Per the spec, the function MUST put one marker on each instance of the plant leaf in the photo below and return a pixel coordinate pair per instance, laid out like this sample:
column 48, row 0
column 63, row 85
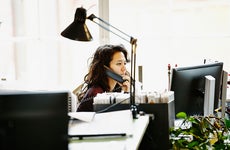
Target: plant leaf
column 227, row 123
column 181, row 115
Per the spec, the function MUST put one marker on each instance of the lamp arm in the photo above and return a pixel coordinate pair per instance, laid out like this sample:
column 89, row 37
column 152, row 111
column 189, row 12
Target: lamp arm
column 133, row 43
column 131, row 39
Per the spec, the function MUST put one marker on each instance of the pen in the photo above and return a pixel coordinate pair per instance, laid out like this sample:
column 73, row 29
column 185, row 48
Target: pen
column 81, row 136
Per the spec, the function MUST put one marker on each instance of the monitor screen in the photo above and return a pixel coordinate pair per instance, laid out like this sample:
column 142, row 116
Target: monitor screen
column 33, row 120
column 188, row 84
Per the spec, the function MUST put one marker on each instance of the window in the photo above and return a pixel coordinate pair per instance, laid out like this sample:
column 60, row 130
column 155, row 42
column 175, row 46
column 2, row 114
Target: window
column 182, row 32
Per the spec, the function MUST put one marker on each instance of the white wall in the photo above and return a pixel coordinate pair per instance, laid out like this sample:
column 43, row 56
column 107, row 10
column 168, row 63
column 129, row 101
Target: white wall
column 182, row 32
column 174, row 32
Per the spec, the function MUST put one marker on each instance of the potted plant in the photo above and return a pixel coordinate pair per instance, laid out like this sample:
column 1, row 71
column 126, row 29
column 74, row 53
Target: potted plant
column 200, row 133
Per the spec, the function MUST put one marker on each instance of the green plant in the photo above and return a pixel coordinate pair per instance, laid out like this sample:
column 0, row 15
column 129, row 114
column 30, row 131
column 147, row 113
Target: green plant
column 201, row 133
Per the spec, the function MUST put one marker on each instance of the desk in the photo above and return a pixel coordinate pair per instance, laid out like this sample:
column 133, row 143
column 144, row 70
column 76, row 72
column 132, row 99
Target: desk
column 110, row 122
column 162, row 117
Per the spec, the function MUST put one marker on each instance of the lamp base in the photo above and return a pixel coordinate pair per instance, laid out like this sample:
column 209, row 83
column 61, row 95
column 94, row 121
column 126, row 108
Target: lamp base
column 134, row 111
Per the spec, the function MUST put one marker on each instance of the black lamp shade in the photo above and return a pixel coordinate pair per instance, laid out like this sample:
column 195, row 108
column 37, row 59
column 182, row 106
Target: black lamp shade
column 78, row 30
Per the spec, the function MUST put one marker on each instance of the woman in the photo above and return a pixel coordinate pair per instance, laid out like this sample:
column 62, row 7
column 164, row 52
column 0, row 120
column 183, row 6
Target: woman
column 115, row 58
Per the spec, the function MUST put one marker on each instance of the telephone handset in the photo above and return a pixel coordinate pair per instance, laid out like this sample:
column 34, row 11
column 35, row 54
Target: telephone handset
column 114, row 75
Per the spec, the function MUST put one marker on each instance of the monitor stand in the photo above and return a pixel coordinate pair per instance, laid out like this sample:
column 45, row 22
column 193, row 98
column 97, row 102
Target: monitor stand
column 224, row 92
column 209, row 95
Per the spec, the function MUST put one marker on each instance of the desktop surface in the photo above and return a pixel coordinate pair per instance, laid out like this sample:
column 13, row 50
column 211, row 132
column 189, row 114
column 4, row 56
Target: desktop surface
column 162, row 116
column 116, row 122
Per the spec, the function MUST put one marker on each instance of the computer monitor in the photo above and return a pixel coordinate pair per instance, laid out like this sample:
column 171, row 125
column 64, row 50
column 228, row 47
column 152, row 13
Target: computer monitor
column 188, row 84
column 33, row 120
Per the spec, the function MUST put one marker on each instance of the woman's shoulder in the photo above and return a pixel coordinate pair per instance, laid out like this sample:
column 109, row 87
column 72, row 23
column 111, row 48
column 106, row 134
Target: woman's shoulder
column 86, row 103
column 94, row 90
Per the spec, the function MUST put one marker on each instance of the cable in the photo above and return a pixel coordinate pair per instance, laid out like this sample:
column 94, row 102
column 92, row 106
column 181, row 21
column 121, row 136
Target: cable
column 111, row 106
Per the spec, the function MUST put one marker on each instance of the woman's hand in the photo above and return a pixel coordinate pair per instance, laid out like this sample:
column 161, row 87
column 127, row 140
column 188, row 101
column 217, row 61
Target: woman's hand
column 126, row 85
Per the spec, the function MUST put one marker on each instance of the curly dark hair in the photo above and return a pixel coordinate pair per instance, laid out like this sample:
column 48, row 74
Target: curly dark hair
column 102, row 56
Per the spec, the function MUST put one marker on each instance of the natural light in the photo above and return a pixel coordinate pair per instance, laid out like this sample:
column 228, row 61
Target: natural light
column 33, row 55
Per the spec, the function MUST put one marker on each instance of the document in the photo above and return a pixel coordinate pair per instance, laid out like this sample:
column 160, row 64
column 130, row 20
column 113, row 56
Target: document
column 83, row 116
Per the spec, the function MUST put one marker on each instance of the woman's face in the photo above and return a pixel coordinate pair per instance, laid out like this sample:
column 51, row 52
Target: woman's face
column 118, row 63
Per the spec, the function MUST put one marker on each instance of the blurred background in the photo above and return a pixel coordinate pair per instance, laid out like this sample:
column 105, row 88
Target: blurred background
column 33, row 54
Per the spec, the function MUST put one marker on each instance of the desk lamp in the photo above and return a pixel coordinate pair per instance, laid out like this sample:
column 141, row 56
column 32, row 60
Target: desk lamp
column 78, row 31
